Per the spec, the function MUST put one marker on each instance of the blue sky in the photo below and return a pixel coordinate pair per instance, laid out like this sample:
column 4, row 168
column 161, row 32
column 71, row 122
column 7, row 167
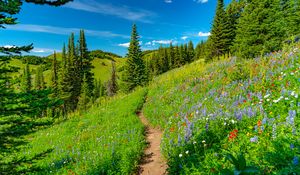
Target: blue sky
column 107, row 24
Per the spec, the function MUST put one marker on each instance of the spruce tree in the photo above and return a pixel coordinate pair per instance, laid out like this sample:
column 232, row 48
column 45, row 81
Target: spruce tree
column 171, row 57
column 259, row 29
column 112, row 86
column 84, row 98
column 86, row 62
column 191, row 51
column 26, row 84
column 217, row 38
column 54, row 76
column 134, row 73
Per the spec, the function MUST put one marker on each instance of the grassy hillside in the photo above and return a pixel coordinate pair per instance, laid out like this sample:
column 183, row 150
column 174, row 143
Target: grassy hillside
column 102, row 66
column 214, row 112
column 106, row 140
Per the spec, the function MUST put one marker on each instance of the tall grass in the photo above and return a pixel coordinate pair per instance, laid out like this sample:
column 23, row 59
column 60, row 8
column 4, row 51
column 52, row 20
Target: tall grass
column 227, row 107
column 106, row 140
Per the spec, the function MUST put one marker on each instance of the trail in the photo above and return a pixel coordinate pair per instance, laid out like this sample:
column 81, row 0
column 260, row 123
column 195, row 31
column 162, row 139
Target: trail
column 152, row 163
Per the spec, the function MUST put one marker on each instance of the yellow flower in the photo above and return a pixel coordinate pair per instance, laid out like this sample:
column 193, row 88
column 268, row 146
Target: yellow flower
column 248, row 134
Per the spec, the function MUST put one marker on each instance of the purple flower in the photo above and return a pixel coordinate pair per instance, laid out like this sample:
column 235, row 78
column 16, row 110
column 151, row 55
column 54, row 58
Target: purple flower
column 254, row 139
column 238, row 115
column 207, row 126
column 290, row 119
column 295, row 160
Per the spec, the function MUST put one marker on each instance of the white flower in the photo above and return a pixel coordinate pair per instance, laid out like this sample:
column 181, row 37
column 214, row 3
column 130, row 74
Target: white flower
column 296, row 95
column 286, row 98
column 187, row 152
column 207, row 118
column 180, row 155
column 292, row 73
column 232, row 121
column 203, row 141
column 268, row 99
column 281, row 73
column 194, row 142
column 266, row 96
column 293, row 93
column 225, row 123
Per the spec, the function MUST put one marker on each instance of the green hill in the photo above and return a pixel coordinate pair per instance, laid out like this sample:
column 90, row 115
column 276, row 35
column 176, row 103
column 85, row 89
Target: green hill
column 244, row 111
column 101, row 62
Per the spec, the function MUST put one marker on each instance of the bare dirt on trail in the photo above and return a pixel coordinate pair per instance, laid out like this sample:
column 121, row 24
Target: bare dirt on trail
column 152, row 162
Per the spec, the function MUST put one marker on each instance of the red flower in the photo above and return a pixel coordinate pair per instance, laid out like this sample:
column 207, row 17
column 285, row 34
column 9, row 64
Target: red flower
column 259, row 123
column 233, row 134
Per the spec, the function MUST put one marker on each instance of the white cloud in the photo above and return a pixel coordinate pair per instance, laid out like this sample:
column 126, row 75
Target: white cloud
column 162, row 41
column 61, row 30
column 148, row 43
column 119, row 11
column 42, row 50
column 9, row 46
column 168, row 1
column 201, row 1
column 184, row 37
column 124, row 45
column 204, row 34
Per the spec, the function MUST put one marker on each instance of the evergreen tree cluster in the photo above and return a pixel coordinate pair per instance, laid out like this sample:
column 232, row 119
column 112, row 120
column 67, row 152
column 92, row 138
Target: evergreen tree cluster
column 167, row 58
column 250, row 28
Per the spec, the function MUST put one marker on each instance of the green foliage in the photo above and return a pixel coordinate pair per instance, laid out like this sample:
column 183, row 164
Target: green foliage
column 26, row 84
column 112, row 86
column 84, row 98
column 95, row 142
column 39, row 79
column 135, row 69
column 240, row 166
column 205, row 112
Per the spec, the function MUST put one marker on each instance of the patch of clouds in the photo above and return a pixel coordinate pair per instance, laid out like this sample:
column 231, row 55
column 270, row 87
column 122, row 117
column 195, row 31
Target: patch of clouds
column 62, row 30
column 204, row 34
column 9, row 46
column 168, row 1
column 124, row 45
column 184, row 38
column 201, row 1
column 119, row 11
column 42, row 50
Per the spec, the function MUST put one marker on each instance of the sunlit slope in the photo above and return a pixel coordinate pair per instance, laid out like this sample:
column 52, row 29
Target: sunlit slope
column 105, row 140
column 208, row 111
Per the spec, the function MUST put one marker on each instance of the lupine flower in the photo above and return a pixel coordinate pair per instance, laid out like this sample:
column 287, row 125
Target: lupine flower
column 206, row 126
column 274, row 131
column 291, row 117
column 292, row 146
column 254, row 139
column 295, row 160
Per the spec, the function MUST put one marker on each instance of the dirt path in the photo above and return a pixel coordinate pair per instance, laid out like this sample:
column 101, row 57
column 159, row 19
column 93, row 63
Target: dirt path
column 152, row 163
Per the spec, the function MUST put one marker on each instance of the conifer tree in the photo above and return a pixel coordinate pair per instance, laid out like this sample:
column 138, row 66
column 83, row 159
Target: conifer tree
column 26, row 84
column 191, row 52
column 171, row 56
column 259, row 29
column 54, row 76
column 217, row 38
column 84, row 98
column 135, row 73
column 86, row 62
column 112, row 86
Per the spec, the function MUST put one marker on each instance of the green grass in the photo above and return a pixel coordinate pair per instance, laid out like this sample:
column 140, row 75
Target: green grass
column 106, row 140
column 208, row 111
column 102, row 68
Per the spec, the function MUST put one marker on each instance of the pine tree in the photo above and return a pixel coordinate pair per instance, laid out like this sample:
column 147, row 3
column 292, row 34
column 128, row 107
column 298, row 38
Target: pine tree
column 26, row 84
column 191, row 51
column 84, row 98
column 54, row 76
column 217, row 37
column 73, row 74
column 171, row 57
column 177, row 57
column 135, row 73
column 259, row 29
column 86, row 62
column 112, row 86
column 39, row 79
